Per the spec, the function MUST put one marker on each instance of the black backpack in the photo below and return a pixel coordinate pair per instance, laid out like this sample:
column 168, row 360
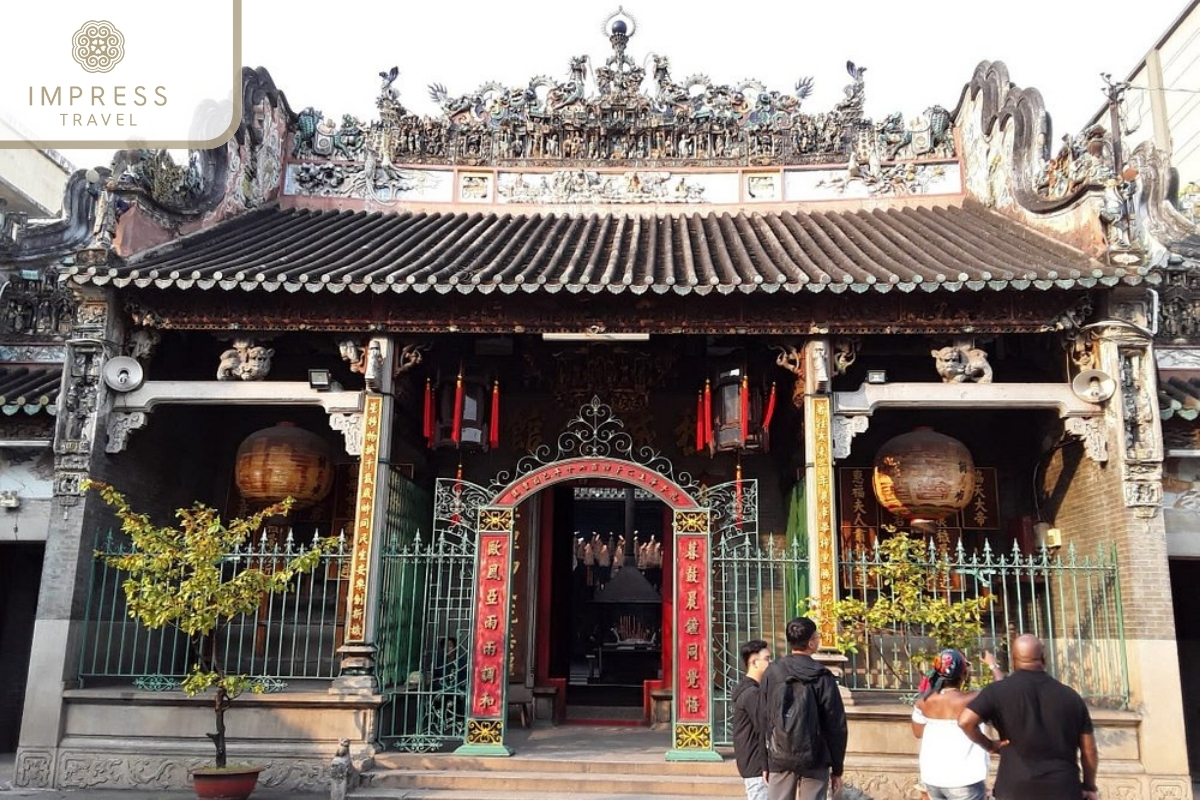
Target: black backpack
column 794, row 741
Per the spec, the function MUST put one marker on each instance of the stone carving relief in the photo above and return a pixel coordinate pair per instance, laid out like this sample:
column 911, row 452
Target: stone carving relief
column 962, row 363
column 623, row 110
column 818, row 352
column 1137, row 406
column 876, row 178
column 373, row 179
column 373, row 373
column 1083, row 160
column 845, row 428
column 37, row 306
column 125, row 771
column 590, row 186
column 245, row 361
column 353, row 354
column 1169, row 788
column 141, row 343
column 76, row 423
column 350, row 425
column 34, row 769
column 120, row 425
column 1093, row 433
column 34, row 353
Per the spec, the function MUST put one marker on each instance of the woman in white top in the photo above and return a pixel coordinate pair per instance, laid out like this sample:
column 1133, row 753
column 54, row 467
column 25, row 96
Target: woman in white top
column 952, row 766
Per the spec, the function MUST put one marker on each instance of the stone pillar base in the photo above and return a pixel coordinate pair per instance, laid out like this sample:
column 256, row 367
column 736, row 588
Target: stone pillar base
column 357, row 670
column 834, row 662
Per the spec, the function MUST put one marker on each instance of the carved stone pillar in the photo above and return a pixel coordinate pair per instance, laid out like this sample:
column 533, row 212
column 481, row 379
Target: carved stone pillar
column 1126, row 355
column 358, row 651
column 68, row 555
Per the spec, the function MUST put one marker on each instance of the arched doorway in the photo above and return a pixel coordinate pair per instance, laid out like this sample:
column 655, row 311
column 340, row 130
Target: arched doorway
column 449, row 596
column 595, row 446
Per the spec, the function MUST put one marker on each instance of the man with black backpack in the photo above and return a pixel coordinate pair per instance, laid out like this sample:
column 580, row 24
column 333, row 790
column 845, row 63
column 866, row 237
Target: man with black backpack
column 803, row 721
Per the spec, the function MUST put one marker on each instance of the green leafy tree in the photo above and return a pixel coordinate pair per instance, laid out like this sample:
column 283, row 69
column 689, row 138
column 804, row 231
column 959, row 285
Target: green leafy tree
column 178, row 576
column 908, row 607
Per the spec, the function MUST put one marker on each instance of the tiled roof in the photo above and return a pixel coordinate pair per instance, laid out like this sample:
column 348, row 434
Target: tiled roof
column 29, row 387
column 1179, row 394
column 934, row 248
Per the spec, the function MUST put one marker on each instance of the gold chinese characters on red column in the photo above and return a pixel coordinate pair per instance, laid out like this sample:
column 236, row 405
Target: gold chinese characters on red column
column 691, row 578
column 491, row 615
column 364, row 515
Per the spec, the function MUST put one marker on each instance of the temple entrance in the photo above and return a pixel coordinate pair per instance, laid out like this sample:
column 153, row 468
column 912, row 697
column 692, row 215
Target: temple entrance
column 605, row 547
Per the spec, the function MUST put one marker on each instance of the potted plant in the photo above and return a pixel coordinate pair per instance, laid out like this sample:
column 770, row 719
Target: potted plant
column 178, row 576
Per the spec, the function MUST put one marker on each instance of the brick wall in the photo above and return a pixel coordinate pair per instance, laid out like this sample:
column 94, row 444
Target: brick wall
column 1086, row 501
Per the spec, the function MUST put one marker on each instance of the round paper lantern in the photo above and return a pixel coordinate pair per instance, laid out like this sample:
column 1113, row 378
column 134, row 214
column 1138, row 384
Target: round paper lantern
column 284, row 461
column 923, row 475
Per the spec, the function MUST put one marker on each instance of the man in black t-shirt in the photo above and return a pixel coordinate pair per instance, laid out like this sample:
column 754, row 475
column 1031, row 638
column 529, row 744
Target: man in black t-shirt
column 1043, row 725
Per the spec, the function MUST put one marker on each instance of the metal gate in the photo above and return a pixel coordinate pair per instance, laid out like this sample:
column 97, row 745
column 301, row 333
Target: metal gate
column 756, row 585
column 426, row 619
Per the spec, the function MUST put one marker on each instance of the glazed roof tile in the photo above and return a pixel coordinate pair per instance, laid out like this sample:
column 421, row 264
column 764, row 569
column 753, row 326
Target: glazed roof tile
column 947, row 247
column 29, row 387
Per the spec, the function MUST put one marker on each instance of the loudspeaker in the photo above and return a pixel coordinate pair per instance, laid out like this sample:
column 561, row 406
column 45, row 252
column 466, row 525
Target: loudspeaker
column 123, row 374
column 1093, row 386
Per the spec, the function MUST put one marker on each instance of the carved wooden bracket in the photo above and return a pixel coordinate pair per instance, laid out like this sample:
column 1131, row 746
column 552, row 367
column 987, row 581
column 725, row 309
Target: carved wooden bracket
column 1092, row 432
column 845, row 428
column 120, row 425
column 350, row 425
column 792, row 359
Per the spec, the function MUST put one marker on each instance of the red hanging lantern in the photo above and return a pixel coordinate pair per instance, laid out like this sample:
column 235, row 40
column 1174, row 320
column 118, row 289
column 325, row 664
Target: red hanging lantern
column 923, row 476
column 737, row 423
column 460, row 413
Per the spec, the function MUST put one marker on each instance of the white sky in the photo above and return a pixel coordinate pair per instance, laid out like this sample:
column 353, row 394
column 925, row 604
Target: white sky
column 917, row 52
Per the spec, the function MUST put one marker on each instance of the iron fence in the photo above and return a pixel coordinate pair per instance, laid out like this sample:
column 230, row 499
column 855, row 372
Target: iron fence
column 1070, row 601
column 426, row 616
column 293, row 635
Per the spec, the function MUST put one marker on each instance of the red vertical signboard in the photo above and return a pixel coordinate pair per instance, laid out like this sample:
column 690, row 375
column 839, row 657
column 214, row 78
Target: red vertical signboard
column 692, row 634
column 491, row 609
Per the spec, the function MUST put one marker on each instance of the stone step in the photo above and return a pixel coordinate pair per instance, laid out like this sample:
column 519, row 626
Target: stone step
column 534, row 784
column 576, row 764
column 557, row 794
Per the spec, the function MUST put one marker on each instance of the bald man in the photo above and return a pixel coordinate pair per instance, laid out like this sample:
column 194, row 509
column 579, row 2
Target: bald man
column 1045, row 731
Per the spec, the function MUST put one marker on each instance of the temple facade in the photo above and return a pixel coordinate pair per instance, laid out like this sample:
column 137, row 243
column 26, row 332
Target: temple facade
column 595, row 378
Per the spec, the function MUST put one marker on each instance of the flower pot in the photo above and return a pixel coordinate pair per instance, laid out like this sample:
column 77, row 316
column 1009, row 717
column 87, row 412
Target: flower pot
column 225, row 783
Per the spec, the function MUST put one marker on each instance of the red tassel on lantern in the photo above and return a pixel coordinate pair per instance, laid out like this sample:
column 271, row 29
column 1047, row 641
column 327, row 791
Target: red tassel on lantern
column 427, row 414
column 700, row 421
column 745, row 415
column 456, row 430
column 708, row 435
column 494, row 428
column 770, row 412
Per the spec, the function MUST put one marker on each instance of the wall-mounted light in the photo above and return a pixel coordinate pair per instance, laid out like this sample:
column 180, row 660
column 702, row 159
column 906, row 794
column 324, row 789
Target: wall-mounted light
column 877, row 376
column 320, row 379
